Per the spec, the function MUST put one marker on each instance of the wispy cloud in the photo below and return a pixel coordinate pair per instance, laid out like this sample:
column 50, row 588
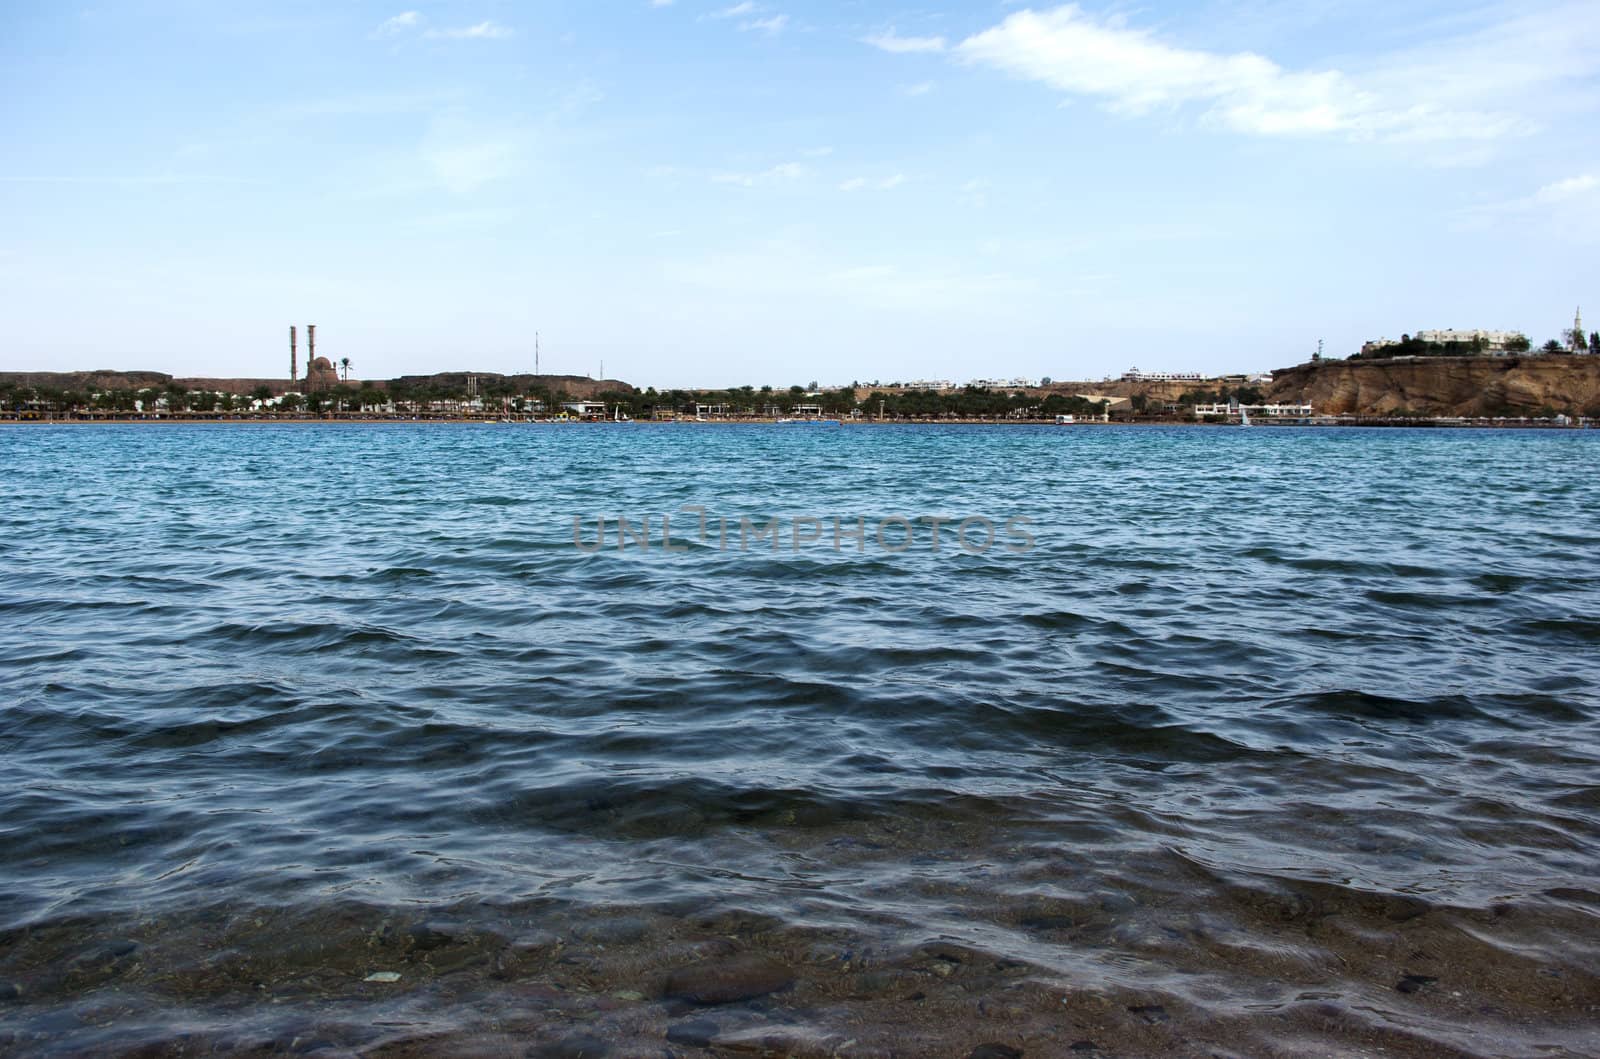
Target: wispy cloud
column 747, row 11
column 401, row 23
column 921, row 88
column 411, row 21
column 783, row 173
column 1568, row 209
column 1570, row 188
column 888, row 183
column 1460, row 89
column 1557, row 193
column 461, row 155
column 770, row 26
column 891, row 42
column 485, row 30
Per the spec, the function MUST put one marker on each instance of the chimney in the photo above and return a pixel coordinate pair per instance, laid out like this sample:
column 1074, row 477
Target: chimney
column 311, row 348
column 294, row 362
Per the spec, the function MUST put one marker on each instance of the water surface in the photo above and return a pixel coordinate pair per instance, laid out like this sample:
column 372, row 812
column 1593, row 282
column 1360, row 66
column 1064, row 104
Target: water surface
column 1274, row 742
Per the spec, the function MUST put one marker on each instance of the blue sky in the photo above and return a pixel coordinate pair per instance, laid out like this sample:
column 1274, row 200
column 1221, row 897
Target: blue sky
column 703, row 193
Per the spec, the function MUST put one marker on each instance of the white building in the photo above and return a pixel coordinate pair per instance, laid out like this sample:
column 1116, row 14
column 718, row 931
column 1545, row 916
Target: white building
column 1264, row 411
column 1494, row 341
column 1135, row 375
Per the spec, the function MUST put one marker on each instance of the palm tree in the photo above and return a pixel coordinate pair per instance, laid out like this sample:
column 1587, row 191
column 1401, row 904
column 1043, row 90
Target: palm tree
column 344, row 363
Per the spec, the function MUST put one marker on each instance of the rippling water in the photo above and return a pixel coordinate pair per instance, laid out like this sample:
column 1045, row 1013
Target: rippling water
column 1275, row 742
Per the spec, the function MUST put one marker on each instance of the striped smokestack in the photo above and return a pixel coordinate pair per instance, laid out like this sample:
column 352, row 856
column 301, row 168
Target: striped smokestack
column 311, row 348
column 294, row 362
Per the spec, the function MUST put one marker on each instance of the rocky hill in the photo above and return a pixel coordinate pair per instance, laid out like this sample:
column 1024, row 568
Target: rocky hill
column 101, row 379
column 1527, row 385
column 579, row 386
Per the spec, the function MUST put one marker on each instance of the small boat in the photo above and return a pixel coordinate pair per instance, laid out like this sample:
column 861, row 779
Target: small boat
column 1244, row 416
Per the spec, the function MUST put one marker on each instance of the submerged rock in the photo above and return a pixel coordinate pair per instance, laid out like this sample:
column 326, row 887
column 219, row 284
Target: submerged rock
column 583, row 1046
column 723, row 980
column 696, row 1033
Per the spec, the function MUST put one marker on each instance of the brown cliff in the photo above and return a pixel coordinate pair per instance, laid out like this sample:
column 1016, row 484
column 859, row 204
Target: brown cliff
column 1524, row 385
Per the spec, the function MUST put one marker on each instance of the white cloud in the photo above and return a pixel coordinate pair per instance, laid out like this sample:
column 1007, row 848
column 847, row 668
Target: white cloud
column 783, row 173
column 863, row 184
column 660, row 3
column 921, row 88
column 1135, row 73
column 1568, row 210
column 737, row 10
column 461, row 155
column 817, row 152
column 393, row 27
column 1570, row 188
column 891, row 42
column 770, row 26
column 485, row 30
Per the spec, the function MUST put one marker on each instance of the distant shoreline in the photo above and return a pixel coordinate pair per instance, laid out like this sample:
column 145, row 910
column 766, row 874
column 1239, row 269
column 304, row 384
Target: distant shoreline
column 1318, row 421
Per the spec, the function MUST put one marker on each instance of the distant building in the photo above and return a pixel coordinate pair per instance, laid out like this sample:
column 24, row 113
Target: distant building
column 1135, row 375
column 1493, row 341
column 1264, row 411
column 1496, row 342
column 1577, row 341
column 321, row 375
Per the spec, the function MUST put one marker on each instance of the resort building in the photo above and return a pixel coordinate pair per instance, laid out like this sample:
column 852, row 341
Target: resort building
column 1494, row 341
column 1135, row 375
column 1264, row 411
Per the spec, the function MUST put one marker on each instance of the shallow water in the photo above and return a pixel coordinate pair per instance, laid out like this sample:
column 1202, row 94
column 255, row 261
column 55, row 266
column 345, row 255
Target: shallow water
column 1274, row 742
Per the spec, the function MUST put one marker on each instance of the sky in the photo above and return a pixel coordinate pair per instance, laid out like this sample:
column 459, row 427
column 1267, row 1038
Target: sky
column 699, row 193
